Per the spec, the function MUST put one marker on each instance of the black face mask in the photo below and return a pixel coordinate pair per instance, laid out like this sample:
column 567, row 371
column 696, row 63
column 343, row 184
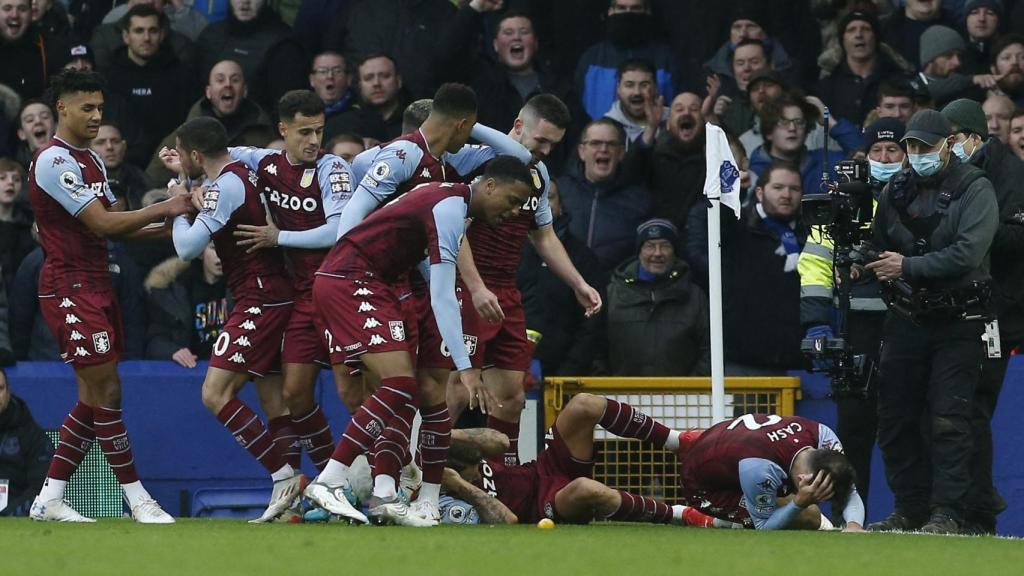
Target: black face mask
column 629, row 29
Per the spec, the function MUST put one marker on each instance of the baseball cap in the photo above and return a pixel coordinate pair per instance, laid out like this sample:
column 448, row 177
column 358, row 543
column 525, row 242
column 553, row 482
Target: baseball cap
column 928, row 126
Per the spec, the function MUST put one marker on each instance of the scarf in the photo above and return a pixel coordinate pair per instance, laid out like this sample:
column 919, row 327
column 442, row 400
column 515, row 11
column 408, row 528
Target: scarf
column 789, row 246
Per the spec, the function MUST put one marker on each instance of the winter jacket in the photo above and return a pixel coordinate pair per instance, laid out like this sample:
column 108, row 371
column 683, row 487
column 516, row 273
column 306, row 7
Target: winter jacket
column 171, row 309
column 459, row 57
column 570, row 341
column 904, row 34
column 365, row 121
column 596, row 73
column 164, row 85
column 810, row 166
column 29, row 61
column 633, row 128
column 721, row 64
column 248, row 117
column 30, row 336
column 657, row 328
column 15, row 243
column 1006, row 172
column 406, row 30
column 761, row 301
column 6, row 349
column 604, row 214
column 25, row 453
column 675, row 177
column 851, row 97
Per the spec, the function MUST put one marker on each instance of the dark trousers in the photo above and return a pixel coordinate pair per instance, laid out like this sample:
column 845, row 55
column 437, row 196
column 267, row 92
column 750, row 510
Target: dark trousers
column 926, row 388
column 857, row 422
column 983, row 500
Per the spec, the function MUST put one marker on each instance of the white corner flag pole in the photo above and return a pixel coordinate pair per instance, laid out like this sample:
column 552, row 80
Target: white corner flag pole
column 715, row 294
column 721, row 185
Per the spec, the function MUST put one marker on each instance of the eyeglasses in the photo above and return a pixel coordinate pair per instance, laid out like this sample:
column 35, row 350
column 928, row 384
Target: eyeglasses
column 334, row 71
column 598, row 144
column 793, row 123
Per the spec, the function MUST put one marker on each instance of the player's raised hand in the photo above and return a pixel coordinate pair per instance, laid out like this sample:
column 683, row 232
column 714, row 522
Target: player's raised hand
column 479, row 395
column 812, row 489
column 590, row 299
column 257, row 237
column 486, row 304
column 170, row 159
column 197, row 197
column 714, row 84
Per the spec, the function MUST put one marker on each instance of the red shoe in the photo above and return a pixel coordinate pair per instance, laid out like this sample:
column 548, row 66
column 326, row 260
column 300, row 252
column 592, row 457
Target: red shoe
column 696, row 518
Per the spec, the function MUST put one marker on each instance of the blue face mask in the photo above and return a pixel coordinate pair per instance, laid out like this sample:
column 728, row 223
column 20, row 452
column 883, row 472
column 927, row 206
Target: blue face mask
column 928, row 163
column 882, row 171
column 962, row 154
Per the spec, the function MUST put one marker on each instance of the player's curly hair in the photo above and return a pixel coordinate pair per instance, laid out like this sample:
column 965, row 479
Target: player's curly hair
column 295, row 102
column 838, row 466
column 70, row 81
column 509, row 169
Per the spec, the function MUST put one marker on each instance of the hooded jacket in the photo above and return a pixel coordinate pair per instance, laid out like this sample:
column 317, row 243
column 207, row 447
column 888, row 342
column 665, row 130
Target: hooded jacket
column 164, row 84
column 29, row 61
column 604, row 214
column 657, row 328
column 25, row 454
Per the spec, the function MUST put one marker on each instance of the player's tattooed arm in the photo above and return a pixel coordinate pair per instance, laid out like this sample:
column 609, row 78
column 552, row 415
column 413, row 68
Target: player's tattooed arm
column 490, row 509
column 488, row 442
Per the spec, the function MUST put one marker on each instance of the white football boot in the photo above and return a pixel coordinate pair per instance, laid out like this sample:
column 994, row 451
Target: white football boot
column 396, row 511
column 56, row 510
column 285, row 492
column 148, row 511
column 334, row 500
column 427, row 509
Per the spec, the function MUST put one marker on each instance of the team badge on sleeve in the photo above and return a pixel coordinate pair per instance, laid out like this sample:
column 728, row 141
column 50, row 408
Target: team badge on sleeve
column 380, row 171
column 72, row 183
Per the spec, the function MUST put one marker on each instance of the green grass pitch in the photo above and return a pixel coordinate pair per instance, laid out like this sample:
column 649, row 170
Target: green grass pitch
column 228, row 547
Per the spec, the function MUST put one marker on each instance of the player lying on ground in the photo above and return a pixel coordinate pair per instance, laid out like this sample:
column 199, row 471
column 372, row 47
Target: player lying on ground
column 559, row 484
column 770, row 472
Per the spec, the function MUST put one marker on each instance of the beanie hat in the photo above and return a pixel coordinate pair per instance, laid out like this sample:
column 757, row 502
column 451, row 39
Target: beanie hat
column 993, row 5
column 968, row 115
column 937, row 41
column 656, row 229
column 753, row 10
column 883, row 129
column 871, row 19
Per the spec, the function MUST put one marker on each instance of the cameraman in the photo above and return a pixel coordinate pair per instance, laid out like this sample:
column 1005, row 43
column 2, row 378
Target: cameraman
column 1006, row 171
column 856, row 405
column 935, row 224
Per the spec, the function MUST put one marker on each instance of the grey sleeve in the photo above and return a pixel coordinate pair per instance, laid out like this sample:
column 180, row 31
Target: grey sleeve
column 949, row 88
column 977, row 219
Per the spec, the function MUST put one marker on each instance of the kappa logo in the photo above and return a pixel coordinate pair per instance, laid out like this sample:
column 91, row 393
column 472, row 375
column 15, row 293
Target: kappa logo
column 377, row 340
column 400, row 154
column 79, row 351
column 363, row 292
column 256, row 310
column 237, row 358
column 425, row 173
column 67, row 303
column 101, row 342
column 371, row 323
column 366, row 307
column 243, row 341
column 247, row 325
column 71, row 319
column 397, row 330
column 271, row 169
column 58, row 161
column 76, row 335
column 335, row 166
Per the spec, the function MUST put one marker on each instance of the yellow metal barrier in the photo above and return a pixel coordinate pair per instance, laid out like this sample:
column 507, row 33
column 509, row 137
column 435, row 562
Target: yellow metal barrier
column 679, row 403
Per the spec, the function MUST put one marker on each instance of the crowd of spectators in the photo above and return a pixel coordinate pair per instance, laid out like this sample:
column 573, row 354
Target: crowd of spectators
column 641, row 78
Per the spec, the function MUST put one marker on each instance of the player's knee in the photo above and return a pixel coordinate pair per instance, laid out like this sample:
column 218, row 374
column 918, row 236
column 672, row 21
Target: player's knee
column 215, row 397
column 585, row 489
column 586, row 406
column 298, row 400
